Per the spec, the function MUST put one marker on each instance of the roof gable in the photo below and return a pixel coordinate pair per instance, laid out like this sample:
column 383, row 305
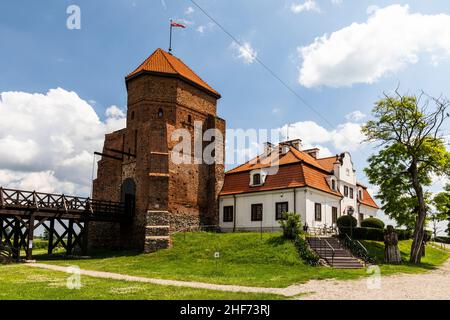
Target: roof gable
column 161, row 61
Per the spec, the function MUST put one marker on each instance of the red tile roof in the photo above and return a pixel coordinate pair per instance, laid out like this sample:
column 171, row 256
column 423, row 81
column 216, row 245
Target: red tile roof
column 296, row 169
column 367, row 199
column 328, row 163
column 276, row 157
column 163, row 62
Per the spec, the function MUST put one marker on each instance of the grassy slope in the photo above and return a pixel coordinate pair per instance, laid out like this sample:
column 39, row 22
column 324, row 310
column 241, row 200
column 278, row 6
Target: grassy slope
column 245, row 259
column 20, row 282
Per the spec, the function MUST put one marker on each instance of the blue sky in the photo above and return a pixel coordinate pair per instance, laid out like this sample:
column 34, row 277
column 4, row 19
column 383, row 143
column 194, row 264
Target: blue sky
column 39, row 53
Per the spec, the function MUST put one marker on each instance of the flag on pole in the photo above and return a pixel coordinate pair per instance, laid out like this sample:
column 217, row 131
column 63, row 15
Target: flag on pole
column 177, row 25
column 174, row 24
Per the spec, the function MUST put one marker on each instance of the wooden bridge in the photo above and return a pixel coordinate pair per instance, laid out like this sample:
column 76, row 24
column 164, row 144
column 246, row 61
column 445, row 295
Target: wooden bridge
column 22, row 212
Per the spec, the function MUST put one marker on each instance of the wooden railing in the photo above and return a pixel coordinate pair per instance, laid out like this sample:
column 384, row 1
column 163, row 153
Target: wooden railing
column 11, row 199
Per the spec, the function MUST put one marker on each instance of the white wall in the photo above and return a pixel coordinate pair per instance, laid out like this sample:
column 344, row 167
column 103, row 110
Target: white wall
column 305, row 200
column 327, row 200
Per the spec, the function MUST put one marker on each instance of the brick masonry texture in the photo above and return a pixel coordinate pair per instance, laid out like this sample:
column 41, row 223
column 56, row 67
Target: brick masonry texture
column 183, row 195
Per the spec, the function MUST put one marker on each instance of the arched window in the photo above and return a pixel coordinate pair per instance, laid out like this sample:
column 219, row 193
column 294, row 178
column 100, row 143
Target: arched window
column 189, row 119
column 160, row 113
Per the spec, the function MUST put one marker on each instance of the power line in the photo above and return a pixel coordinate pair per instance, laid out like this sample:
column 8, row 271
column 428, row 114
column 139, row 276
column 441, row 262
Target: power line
column 267, row 68
column 271, row 72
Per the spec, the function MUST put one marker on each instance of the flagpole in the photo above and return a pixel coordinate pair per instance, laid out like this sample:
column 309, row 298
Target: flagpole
column 170, row 43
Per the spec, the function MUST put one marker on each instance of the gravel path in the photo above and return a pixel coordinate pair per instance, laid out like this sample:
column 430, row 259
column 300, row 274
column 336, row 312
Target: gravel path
column 431, row 285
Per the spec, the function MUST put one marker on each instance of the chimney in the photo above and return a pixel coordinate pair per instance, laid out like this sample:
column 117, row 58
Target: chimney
column 313, row 152
column 296, row 143
column 268, row 148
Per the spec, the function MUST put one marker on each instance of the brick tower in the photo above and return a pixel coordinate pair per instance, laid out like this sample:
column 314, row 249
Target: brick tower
column 163, row 95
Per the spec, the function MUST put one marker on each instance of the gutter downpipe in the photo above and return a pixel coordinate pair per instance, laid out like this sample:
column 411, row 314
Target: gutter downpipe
column 234, row 213
column 295, row 202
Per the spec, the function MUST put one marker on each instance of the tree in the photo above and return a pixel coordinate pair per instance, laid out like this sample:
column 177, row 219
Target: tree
column 412, row 150
column 441, row 202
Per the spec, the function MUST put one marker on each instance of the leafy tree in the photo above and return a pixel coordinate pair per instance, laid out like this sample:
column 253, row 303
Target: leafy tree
column 442, row 204
column 412, row 150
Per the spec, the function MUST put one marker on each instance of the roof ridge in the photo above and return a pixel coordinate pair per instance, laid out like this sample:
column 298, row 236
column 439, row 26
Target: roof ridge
column 168, row 61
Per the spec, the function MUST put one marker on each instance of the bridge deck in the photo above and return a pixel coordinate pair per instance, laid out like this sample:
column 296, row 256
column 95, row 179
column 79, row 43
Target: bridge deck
column 22, row 203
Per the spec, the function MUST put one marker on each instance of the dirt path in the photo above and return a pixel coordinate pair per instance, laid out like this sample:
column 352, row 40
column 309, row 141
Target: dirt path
column 431, row 285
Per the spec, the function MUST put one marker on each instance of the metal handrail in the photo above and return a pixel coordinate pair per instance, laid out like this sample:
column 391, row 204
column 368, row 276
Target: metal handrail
column 357, row 248
column 324, row 244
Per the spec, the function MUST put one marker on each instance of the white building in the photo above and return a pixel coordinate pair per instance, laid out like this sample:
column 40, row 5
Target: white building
column 288, row 179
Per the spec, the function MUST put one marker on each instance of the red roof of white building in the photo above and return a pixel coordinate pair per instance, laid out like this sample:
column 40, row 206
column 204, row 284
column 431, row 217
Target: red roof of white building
column 295, row 169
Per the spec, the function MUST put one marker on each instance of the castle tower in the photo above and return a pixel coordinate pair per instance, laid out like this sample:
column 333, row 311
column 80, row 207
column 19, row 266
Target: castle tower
column 163, row 95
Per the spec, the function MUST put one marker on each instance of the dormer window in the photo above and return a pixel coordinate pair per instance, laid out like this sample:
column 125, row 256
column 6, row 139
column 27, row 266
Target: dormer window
column 256, row 179
column 360, row 194
column 333, row 184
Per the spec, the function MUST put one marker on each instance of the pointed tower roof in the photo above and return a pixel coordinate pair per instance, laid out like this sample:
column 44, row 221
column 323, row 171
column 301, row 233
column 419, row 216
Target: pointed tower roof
column 162, row 62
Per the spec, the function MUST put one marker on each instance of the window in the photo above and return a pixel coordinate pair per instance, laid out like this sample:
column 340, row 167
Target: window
column 333, row 184
column 346, row 191
column 334, row 215
column 257, row 212
column 189, row 119
column 351, row 193
column 280, row 208
column 228, row 214
column 160, row 113
column 359, row 194
column 318, row 212
column 132, row 115
column 256, row 179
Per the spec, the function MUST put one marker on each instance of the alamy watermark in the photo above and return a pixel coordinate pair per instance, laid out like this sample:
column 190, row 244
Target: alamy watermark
column 73, row 21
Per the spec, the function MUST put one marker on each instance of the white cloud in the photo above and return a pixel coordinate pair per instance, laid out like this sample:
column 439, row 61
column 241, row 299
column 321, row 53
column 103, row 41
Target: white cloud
column 245, row 52
column 355, row 116
column 308, row 5
column 47, row 140
column 346, row 137
column 201, row 29
column 189, row 10
column 390, row 40
column 337, row 2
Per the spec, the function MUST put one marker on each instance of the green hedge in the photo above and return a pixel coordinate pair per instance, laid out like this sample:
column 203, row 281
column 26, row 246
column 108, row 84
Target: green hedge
column 346, row 221
column 404, row 234
column 364, row 233
column 372, row 223
column 443, row 239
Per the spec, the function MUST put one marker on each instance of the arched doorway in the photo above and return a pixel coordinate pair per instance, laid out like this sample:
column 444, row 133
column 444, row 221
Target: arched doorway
column 128, row 195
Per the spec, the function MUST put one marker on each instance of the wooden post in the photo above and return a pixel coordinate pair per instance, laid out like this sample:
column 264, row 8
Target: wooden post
column 50, row 236
column 84, row 246
column 16, row 230
column 1, row 230
column 30, row 237
column 69, row 238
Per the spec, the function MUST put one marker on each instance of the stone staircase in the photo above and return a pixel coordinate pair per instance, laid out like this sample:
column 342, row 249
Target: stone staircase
column 342, row 259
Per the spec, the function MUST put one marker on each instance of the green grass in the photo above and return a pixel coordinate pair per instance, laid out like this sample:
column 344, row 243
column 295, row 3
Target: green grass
column 245, row 259
column 18, row 282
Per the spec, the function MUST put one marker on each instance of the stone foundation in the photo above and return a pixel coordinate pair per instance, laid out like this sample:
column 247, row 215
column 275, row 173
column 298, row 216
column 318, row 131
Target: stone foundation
column 157, row 231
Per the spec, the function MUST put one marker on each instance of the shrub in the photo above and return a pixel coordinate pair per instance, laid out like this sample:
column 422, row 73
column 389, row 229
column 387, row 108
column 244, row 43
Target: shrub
column 372, row 223
column 364, row 233
column 443, row 239
column 404, row 234
column 308, row 256
column 346, row 221
column 291, row 225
